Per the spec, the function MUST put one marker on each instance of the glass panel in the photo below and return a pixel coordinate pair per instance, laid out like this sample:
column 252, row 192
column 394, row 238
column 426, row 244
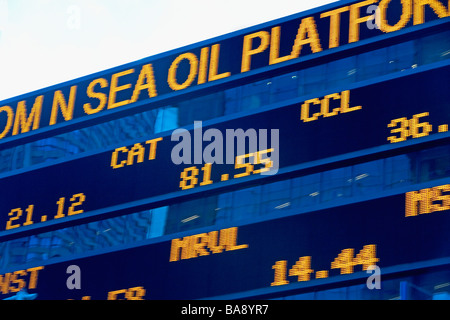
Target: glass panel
column 233, row 100
column 435, row 47
column 402, row 56
column 284, row 87
column 201, row 109
column 306, row 191
column 341, row 72
column 225, row 207
column 85, row 237
column 15, row 252
column 368, row 178
column 39, row 247
column 191, row 214
column 111, row 232
column 312, row 80
column 137, row 226
column 63, row 242
column 336, row 184
column 158, row 222
column 246, row 203
column 255, row 95
column 275, row 196
column 372, row 64
column 399, row 171
column 433, row 164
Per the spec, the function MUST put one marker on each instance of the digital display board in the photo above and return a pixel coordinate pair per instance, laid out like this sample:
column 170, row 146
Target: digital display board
column 281, row 42
column 329, row 243
column 384, row 113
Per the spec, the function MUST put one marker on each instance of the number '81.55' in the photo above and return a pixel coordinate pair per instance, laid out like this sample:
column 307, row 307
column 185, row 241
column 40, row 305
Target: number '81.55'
column 189, row 177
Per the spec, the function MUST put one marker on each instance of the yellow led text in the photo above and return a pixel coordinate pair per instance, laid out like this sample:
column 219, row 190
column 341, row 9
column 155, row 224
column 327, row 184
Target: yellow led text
column 406, row 128
column 312, row 109
column 427, row 200
column 64, row 102
column 307, row 35
column 345, row 261
column 204, row 244
column 205, row 66
column 145, row 82
column 17, row 280
column 197, row 67
column 129, row 156
column 136, row 293
column 414, row 9
column 59, row 102
column 17, row 218
column 22, row 120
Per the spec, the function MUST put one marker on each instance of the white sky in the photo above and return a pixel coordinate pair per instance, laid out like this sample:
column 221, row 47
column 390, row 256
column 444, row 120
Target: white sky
column 45, row 42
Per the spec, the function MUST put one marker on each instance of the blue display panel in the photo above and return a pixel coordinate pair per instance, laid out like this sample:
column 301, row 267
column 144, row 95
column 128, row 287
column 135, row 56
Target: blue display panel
column 327, row 244
column 284, row 41
column 385, row 113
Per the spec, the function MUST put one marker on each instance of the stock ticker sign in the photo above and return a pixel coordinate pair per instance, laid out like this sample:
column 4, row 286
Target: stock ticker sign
column 332, row 243
column 221, row 59
column 361, row 119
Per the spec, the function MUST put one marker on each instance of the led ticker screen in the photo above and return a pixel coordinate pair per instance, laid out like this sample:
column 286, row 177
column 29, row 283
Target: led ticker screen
column 385, row 113
column 282, row 41
column 330, row 243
